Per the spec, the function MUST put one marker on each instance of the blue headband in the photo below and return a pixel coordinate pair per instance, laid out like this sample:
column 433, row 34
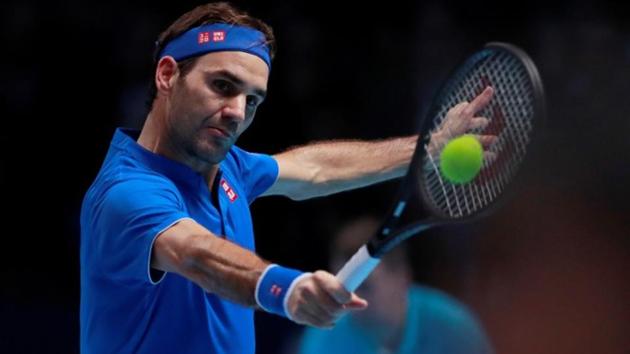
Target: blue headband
column 218, row 37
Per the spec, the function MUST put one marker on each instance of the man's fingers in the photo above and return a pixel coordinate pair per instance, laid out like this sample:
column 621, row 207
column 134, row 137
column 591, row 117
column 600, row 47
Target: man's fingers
column 478, row 122
column 489, row 156
column 306, row 316
column 356, row 303
column 453, row 115
column 461, row 117
column 320, row 317
column 487, row 140
column 333, row 287
column 323, row 302
column 479, row 102
column 343, row 299
column 320, row 300
column 456, row 109
column 305, row 306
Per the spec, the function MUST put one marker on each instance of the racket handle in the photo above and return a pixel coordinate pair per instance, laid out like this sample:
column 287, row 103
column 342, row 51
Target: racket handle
column 357, row 269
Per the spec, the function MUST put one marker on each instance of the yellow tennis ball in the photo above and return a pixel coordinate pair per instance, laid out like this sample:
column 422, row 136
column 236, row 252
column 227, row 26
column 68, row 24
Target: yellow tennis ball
column 461, row 159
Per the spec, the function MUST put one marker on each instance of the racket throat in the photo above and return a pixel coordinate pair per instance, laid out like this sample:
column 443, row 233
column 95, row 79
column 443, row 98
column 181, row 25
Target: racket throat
column 379, row 246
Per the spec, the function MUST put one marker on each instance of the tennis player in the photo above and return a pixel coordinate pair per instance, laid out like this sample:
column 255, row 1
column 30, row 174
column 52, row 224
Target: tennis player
column 167, row 244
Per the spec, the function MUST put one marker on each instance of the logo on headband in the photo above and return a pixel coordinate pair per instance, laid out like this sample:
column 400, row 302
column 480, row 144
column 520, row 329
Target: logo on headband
column 205, row 37
column 218, row 36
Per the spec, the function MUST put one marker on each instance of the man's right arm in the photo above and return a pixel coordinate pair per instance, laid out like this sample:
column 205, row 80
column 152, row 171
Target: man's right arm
column 232, row 272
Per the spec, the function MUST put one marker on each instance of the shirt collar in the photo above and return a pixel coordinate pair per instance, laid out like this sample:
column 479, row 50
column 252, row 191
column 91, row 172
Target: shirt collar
column 125, row 139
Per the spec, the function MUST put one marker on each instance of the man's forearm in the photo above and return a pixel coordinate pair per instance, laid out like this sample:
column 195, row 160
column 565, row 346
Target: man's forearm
column 324, row 168
column 227, row 270
column 236, row 274
column 215, row 264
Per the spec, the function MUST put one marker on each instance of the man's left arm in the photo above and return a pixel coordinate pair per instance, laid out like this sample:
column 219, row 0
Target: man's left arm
column 324, row 168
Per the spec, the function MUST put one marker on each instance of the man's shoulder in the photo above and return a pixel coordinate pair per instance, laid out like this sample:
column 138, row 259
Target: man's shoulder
column 123, row 169
column 121, row 174
column 250, row 167
column 237, row 158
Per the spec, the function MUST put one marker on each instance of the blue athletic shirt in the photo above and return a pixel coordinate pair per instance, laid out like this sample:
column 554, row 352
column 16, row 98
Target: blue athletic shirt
column 126, row 307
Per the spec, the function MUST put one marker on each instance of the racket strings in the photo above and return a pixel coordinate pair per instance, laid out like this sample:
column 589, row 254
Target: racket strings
column 510, row 115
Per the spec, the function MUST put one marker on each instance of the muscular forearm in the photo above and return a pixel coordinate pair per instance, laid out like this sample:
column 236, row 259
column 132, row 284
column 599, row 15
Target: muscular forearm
column 217, row 265
column 227, row 270
column 329, row 167
column 232, row 272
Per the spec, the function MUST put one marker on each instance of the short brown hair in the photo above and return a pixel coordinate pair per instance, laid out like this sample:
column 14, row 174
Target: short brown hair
column 218, row 12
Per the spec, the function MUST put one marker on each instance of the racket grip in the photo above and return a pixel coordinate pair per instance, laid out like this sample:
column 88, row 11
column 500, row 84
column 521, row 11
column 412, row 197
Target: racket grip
column 357, row 269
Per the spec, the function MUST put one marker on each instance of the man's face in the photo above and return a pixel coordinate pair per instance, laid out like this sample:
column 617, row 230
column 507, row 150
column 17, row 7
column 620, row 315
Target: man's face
column 210, row 107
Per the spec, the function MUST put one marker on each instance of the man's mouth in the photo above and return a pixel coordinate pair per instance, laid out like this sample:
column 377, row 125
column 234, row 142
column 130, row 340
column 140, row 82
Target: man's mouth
column 220, row 132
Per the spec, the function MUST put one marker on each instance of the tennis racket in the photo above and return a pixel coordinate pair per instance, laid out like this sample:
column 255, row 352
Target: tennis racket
column 510, row 117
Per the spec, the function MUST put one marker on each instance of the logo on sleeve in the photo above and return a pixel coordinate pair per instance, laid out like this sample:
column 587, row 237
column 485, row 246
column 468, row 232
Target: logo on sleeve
column 228, row 191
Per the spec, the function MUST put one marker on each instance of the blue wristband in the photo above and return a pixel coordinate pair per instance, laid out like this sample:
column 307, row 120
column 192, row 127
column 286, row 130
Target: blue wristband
column 274, row 286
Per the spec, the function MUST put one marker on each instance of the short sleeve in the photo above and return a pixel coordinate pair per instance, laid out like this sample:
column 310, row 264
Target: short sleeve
column 126, row 222
column 258, row 172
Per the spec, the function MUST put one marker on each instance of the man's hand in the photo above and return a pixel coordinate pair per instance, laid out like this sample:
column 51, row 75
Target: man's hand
column 460, row 120
column 319, row 300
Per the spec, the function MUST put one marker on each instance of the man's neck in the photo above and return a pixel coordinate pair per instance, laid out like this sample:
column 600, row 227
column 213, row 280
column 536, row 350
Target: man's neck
column 153, row 138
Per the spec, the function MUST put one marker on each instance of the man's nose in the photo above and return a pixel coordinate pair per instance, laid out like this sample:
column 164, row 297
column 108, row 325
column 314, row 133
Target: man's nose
column 235, row 108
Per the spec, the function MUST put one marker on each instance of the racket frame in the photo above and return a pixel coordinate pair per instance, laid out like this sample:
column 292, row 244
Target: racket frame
column 361, row 264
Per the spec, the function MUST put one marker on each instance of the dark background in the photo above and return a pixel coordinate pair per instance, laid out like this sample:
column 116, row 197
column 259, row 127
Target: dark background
column 546, row 274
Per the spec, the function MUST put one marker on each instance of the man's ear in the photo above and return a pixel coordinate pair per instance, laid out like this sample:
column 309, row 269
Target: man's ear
column 166, row 74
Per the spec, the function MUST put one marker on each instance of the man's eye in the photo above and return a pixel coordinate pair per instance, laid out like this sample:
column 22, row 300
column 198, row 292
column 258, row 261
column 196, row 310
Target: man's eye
column 223, row 86
column 252, row 101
